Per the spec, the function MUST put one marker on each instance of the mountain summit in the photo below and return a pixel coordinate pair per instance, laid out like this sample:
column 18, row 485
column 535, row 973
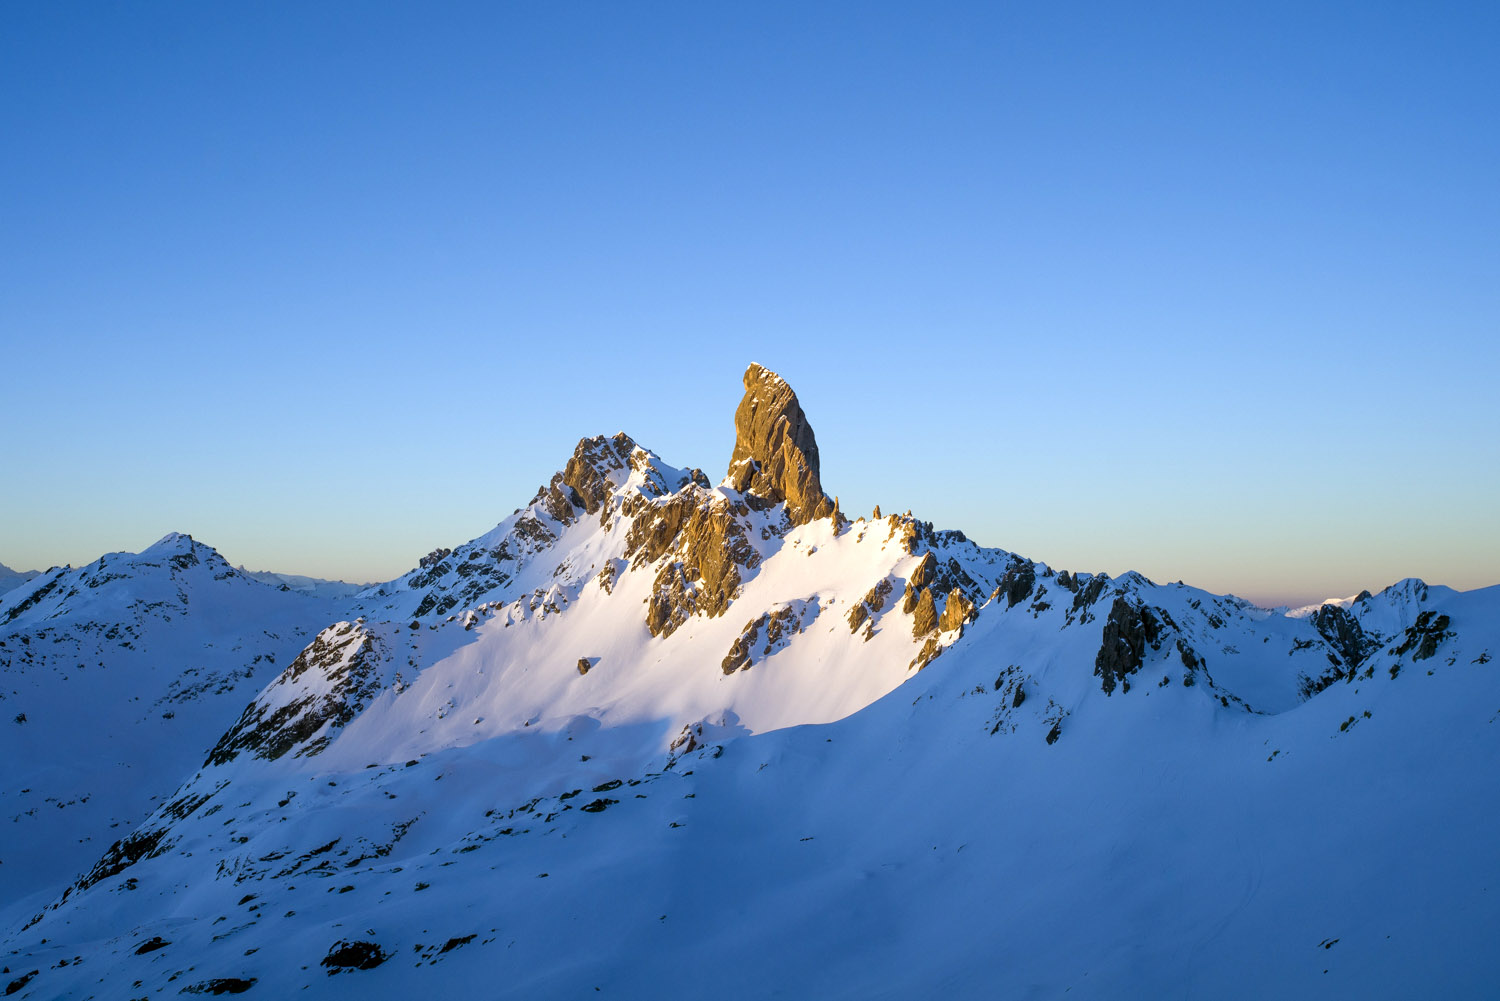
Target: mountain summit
column 649, row 730
column 775, row 455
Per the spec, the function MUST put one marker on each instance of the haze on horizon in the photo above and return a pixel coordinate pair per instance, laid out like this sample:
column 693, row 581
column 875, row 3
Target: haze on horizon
column 1208, row 294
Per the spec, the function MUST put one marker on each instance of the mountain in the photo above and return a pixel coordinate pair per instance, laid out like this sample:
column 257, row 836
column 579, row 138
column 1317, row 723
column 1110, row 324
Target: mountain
column 650, row 733
column 336, row 590
column 115, row 676
column 12, row 579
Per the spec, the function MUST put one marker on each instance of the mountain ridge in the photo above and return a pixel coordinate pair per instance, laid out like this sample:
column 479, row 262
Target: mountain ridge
column 637, row 675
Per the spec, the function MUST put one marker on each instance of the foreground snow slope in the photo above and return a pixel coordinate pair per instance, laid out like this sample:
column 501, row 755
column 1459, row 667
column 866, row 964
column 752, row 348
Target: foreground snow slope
column 651, row 731
column 935, row 842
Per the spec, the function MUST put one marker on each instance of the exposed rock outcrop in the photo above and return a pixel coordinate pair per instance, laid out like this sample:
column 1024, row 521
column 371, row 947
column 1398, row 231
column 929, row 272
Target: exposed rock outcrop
column 608, row 575
column 909, row 599
column 924, row 572
column 1424, row 635
column 778, row 626
column 958, row 611
column 1085, row 596
column 775, row 455
column 870, row 606
column 587, row 472
column 1017, row 584
column 924, row 616
column 927, row 654
column 710, row 552
column 1128, row 631
column 1344, row 633
column 299, row 713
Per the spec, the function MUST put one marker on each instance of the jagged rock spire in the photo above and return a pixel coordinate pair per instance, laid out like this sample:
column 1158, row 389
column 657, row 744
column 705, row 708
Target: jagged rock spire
column 775, row 454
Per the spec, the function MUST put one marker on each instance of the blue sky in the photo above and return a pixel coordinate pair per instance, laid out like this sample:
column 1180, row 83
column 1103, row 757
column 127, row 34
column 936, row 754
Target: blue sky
column 1207, row 291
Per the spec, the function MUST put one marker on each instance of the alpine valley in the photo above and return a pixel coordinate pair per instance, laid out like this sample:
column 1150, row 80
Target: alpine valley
column 654, row 736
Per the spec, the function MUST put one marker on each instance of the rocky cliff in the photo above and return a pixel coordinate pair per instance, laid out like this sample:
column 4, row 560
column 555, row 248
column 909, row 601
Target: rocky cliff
column 775, row 454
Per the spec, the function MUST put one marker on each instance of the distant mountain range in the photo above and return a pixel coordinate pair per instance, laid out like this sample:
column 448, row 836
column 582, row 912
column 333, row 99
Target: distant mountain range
column 655, row 735
column 11, row 579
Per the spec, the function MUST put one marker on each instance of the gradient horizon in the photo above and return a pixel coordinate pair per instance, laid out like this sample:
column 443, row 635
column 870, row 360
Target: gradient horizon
column 1209, row 294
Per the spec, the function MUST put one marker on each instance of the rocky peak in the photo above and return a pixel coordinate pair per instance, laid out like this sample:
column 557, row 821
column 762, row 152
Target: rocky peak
column 596, row 467
column 775, row 454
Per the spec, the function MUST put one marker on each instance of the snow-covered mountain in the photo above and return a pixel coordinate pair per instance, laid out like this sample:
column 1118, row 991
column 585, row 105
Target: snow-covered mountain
column 12, row 579
column 113, row 677
column 653, row 734
column 336, row 590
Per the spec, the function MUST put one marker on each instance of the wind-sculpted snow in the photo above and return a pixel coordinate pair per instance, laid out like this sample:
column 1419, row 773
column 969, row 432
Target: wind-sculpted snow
column 649, row 731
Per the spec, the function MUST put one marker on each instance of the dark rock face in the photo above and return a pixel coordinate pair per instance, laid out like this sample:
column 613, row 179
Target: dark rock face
column 20, row 982
column 1191, row 662
column 1343, row 632
column 35, row 597
column 125, row 853
column 354, row 956
column 1309, row 685
column 952, row 575
column 775, row 455
column 347, row 657
column 221, row 985
column 1128, row 631
column 1424, row 635
column 1018, row 583
column 1086, row 595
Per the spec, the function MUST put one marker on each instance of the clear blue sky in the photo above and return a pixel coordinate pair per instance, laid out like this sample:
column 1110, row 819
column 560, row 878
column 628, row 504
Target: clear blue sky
column 1210, row 291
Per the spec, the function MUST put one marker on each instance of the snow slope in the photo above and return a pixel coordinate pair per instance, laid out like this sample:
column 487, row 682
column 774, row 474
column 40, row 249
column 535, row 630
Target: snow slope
column 115, row 677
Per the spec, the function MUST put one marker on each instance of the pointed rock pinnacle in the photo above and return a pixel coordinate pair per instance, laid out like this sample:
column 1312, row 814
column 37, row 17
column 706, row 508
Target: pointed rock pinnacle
column 775, row 454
